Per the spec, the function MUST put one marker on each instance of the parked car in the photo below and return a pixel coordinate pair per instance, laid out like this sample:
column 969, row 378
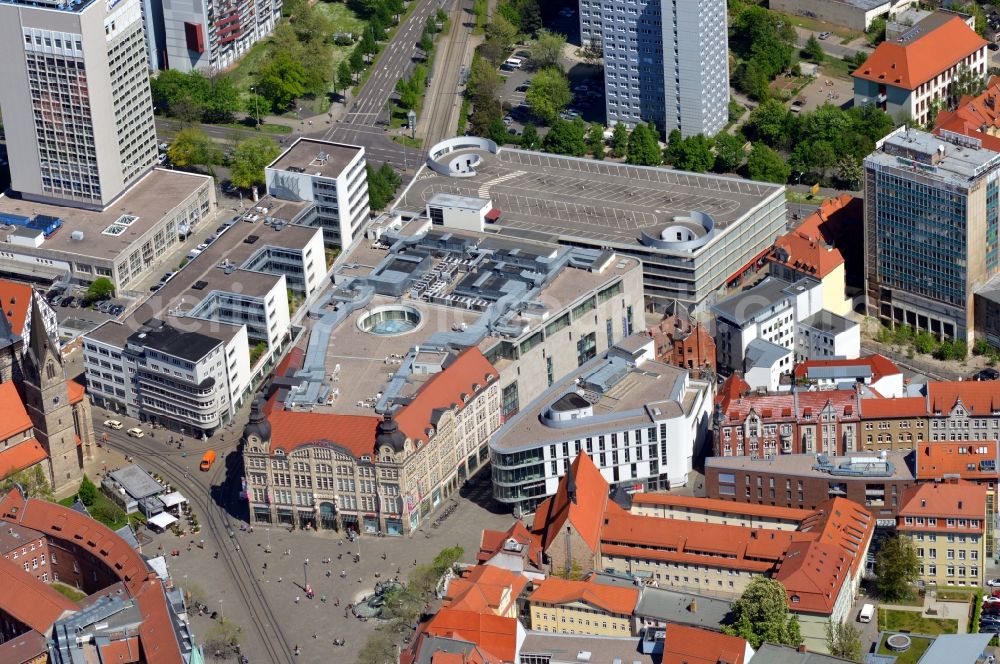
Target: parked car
column 824, row 35
column 167, row 276
column 155, row 287
column 113, row 424
column 116, row 310
column 202, row 247
column 136, row 432
column 221, row 229
column 989, row 373
column 56, row 300
column 993, row 46
column 523, row 87
column 67, row 301
column 993, row 583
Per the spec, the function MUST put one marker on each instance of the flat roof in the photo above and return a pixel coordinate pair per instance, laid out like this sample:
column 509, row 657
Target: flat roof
column 454, row 200
column 148, row 201
column 546, row 197
column 565, row 648
column 912, row 150
column 323, row 158
column 827, row 321
column 633, row 400
column 136, row 481
column 743, row 306
column 190, row 346
column 804, row 465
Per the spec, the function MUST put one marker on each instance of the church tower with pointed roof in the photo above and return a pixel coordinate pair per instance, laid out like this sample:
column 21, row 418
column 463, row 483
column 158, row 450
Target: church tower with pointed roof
column 46, row 397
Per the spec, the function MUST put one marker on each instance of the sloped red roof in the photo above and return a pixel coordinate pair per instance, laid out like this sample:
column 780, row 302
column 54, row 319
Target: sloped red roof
column 121, row 651
column 792, row 407
column 978, row 397
column 494, row 634
column 806, row 255
column 889, row 408
column 483, row 587
column 15, row 298
column 290, row 430
column 727, row 506
column 975, row 116
column 731, row 390
column 585, row 512
column 692, row 645
column 23, row 455
column 612, row 599
column 958, row 500
column 76, row 391
column 963, row 459
column 15, row 419
column 493, row 541
column 916, row 62
column 30, row 601
column 445, row 390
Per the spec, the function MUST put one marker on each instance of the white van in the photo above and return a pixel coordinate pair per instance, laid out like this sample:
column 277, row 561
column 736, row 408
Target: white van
column 867, row 613
column 513, row 63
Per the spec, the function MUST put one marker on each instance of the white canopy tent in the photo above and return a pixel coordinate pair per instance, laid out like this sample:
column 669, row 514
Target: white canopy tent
column 162, row 520
column 172, row 499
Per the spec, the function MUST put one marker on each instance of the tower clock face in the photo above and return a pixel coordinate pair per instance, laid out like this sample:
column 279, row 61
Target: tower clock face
column 253, row 439
column 55, row 400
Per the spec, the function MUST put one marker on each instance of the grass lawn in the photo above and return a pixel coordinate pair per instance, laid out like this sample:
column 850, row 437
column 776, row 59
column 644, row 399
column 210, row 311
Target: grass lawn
column 837, row 68
column 102, row 510
column 409, row 142
column 797, row 197
column 953, row 594
column 845, row 34
column 69, row 591
column 265, row 127
column 912, row 621
column 913, row 600
column 911, row 656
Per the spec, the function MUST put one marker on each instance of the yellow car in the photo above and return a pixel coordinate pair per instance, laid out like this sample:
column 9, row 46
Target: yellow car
column 113, row 424
column 136, row 432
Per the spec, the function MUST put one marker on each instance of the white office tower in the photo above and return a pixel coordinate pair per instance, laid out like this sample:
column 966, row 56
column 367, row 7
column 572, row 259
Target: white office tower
column 665, row 61
column 74, row 91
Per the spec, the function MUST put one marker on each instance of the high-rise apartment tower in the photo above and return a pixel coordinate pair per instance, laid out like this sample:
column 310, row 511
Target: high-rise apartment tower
column 665, row 61
column 74, row 91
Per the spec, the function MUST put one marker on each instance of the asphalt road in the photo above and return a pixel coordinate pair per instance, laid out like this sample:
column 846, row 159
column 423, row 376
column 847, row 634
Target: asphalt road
column 379, row 148
column 395, row 63
column 831, row 46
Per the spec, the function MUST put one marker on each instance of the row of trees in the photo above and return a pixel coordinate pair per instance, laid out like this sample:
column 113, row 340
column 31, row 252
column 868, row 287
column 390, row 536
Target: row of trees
column 765, row 45
column 925, row 343
column 194, row 97
column 192, row 148
column 383, row 183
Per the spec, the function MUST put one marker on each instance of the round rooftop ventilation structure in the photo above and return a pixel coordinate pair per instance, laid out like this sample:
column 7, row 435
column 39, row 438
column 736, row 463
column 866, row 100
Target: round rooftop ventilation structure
column 898, row 643
column 681, row 233
column 390, row 320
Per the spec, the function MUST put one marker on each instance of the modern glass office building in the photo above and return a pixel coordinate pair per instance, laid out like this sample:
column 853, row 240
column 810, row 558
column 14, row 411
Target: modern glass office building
column 931, row 213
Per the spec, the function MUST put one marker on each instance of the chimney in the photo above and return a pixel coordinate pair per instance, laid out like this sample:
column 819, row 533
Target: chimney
column 693, row 606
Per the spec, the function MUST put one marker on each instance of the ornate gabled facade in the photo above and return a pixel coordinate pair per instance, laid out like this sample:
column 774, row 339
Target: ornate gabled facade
column 682, row 341
column 370, row 474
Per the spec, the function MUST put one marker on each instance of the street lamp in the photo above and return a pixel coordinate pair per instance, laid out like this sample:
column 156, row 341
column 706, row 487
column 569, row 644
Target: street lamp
column 256, row 104
column 305, row 573
column 221, row 614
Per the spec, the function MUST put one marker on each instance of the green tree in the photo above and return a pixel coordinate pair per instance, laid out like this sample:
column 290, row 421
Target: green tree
column 813, row 50
column 876, row 31
column 769, row 122
column 549, row 94
column 34, row 481
column 368, row 45
column 382, row 185
column 87, row 493
column 100, row 288
column 728, row 153
column 222, row 102
column 976, row 11
column 753, row 80
column 567, row 137
column 193, row 147
column 695, row 154
column 345, row 77
column 644, row 147
column 529, row 137
column 595, row 140
column 547, row 51
column 896, row 567
column 409, row 93
column 426, row 43
column 496, row 131
column 619, row 140
column 249, row 159
column 431, row 26
column 849, row 173
column 843, row 640
column 766, row 165
column 761, row 614
column 502, row 30
column 281, row 81
column 484, row 81
column 966, row 83
column 357, row 60
column 223, row 636
column 483, row 114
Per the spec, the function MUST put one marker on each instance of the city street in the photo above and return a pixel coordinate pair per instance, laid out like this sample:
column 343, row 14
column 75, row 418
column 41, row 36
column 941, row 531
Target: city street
column 832, row 45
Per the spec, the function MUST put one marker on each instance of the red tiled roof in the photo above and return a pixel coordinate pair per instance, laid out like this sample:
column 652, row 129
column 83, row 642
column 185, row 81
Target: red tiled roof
column 959, row 500
column 937, row 459
column 717, row 505
column 585, row 512
column 978, row 397
column 731, row 390
column 975, row 116
column 15, row 299
column 290, row 430
column 890, row 408
column 76, row 391
column 15, row 419
column 483, row 588
column 23, row 455
column 121, row 651
column 806, row 255
column 611, row 599
column 910, row 65
column 879, row 365
column 445, row 390
column 692, row 645
column 493, row 541
column 30, row 601
column 495, row 635
column 783, row 406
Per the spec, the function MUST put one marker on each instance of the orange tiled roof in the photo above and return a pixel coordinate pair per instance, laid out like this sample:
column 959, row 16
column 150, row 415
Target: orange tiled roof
column 445, row 390
column 975, row 116
column 733, row 389
column 15, row 299
column 585, row 512
column 483, row 588
column 612, row 599
column 806, row 255
column 76, row 391
column 890, row 408
column 290, row 430
column 792, row 407
column 879, row 365
column 937, row 459
column 15, row 419
column 23, row 455
column 692, row 645
column 494, row 634
column 121, row 651
column 493, row 542
column 978, row 397
column 30, row 601
column 912, row 64
column 715, row 504
column 815, row 226
column 959, row 500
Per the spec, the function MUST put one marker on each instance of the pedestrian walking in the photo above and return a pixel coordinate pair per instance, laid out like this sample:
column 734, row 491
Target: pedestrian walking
column 297, row 599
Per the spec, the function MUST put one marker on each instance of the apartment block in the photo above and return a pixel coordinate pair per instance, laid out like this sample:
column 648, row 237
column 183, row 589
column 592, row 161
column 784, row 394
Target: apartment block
column 907, row 77
column 804, row 481
column 330, row 176
column 663, row 63
column 564, row 606
column 930, row 230
column 640, row 420
column 947, row 522
column 74, row 92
